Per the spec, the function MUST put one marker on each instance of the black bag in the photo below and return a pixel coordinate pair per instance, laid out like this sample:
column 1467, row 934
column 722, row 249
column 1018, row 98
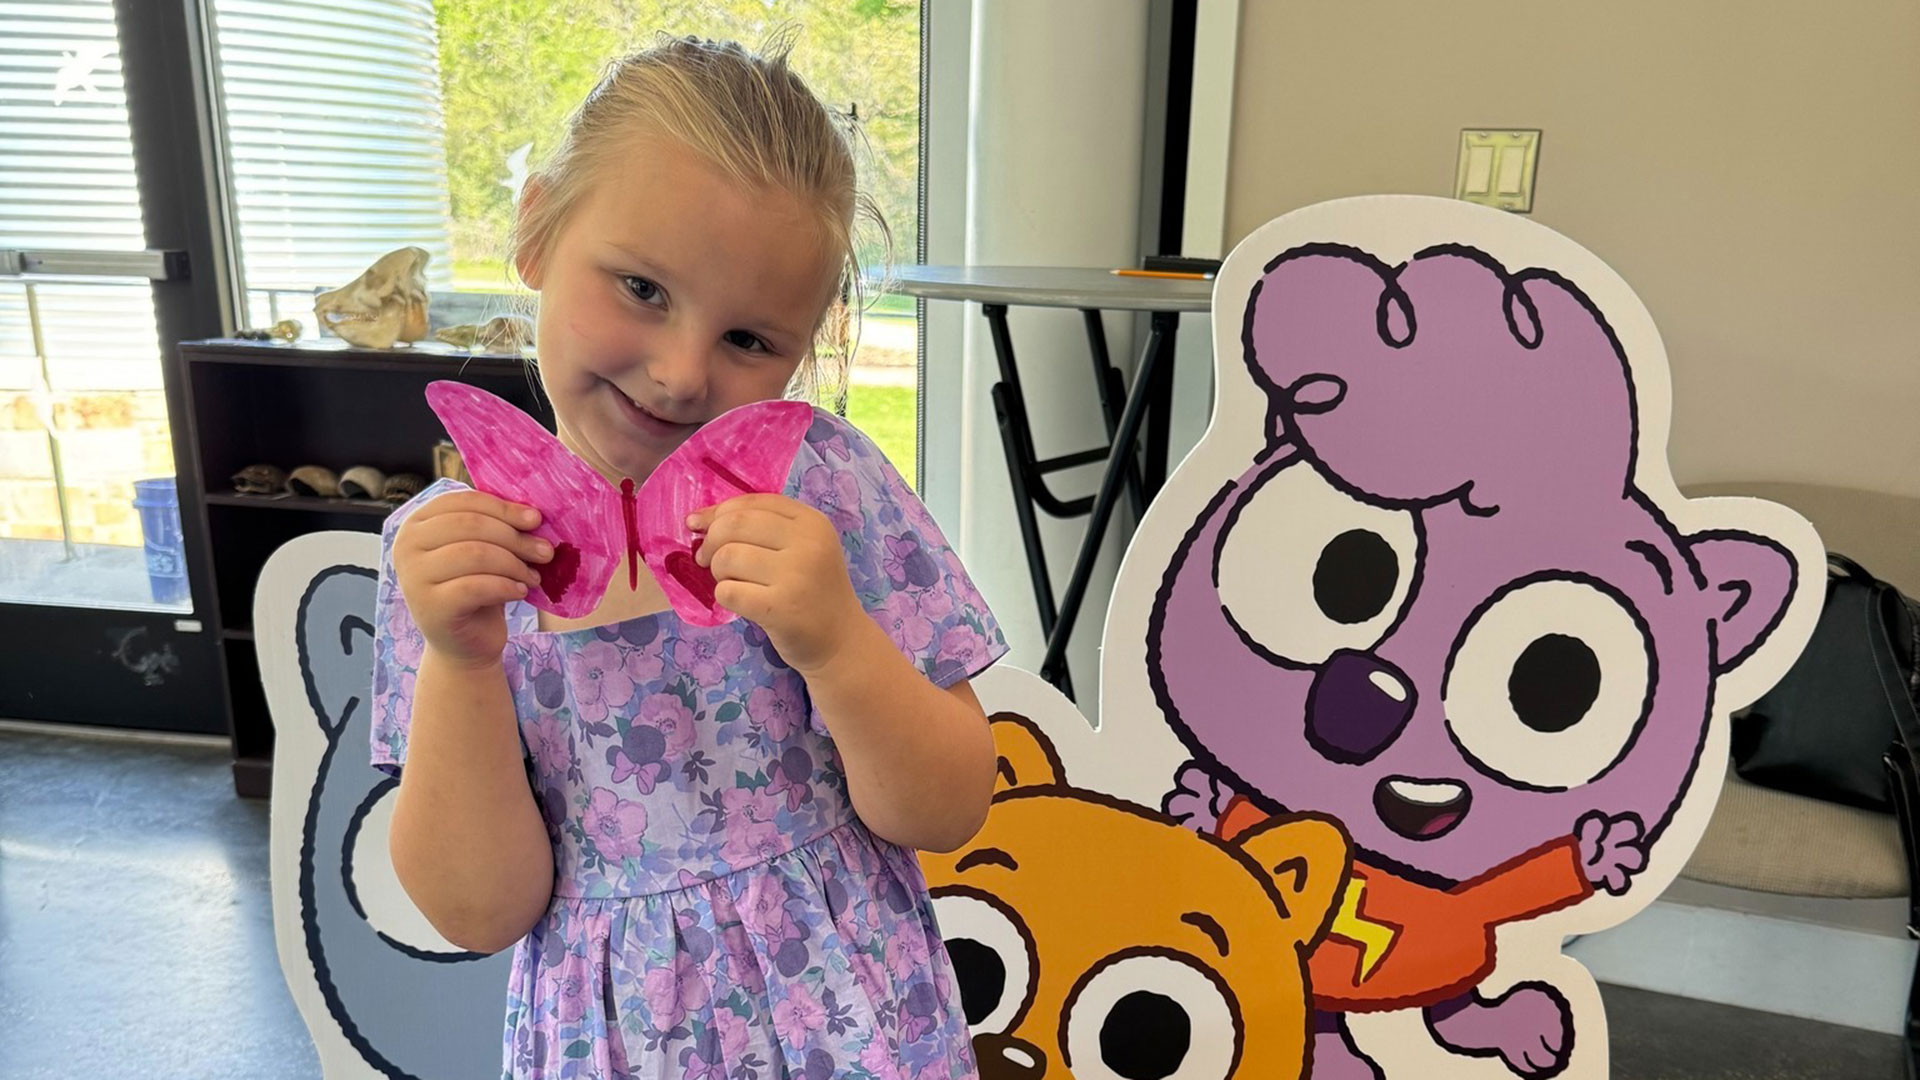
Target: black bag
column 1823, row 729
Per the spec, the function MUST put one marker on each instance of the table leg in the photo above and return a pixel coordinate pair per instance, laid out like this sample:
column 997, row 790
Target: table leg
column 1003, row 410
column 1016, row 440
column 1113, row 395
column 1166, row 327
column 1155, row 357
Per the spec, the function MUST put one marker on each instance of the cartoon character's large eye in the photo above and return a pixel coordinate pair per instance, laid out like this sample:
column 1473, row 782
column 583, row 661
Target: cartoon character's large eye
column 1150, row 1014
column 1549, row 682
column 992, row 954
column 1306, row 571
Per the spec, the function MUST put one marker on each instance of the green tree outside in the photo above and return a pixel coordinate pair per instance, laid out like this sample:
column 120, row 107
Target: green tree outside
column 511, row 71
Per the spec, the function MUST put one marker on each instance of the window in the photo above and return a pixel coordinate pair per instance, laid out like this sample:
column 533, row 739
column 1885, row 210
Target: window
column 358, row 126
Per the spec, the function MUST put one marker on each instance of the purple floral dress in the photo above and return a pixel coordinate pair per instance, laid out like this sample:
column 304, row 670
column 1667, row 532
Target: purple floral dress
column 719, row 912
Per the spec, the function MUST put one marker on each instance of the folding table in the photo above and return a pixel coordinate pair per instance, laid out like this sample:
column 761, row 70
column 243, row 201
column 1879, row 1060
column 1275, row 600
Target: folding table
column 1124, row 410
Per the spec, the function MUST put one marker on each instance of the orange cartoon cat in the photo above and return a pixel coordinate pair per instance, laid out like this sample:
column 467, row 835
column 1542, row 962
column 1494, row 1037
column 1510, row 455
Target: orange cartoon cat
column 1093, row 937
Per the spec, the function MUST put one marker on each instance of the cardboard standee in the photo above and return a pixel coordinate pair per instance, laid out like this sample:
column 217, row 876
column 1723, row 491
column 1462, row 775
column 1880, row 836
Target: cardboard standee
column 1427, row 577
column 382, row 994
column 1419, row 664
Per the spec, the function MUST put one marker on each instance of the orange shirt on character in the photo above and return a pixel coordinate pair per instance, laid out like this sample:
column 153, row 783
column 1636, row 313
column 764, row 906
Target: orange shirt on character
column 1395, row 944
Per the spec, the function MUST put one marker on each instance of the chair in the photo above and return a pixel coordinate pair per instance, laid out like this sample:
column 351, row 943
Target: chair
column 1772, row 842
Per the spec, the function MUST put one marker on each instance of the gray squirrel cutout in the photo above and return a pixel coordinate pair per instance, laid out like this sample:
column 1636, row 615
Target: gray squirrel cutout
column 377, row 1003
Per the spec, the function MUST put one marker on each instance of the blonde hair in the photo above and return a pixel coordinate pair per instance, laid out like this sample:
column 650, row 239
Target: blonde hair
column 755, row 120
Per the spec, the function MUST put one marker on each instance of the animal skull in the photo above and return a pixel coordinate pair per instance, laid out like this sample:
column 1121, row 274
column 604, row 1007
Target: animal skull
column 500, row 334
column 387, row 304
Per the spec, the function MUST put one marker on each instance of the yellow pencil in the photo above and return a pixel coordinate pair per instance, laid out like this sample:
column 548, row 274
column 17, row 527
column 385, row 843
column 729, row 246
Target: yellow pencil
column 1180, row 275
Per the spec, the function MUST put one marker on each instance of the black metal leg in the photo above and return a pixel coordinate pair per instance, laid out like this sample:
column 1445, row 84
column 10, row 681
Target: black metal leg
column 1022, row 456
column 1155, row 357
column 1016, row 440
column 1003, row 409
column 1113, row 391
column 1166, row 325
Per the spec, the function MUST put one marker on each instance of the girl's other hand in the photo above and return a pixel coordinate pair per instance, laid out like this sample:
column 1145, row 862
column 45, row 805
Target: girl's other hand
column 459, row 559
column 779, row 563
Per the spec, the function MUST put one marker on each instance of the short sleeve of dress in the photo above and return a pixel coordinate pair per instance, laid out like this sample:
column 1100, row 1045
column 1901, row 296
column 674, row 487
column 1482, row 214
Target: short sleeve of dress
column 397, row 645
column 901, row 566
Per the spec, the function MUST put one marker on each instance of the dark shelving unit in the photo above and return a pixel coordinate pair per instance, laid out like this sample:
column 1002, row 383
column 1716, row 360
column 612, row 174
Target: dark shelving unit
column 328, row 404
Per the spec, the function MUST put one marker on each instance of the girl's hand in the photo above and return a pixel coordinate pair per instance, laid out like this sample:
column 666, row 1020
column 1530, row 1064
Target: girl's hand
column 459, row 559
column 779, row 563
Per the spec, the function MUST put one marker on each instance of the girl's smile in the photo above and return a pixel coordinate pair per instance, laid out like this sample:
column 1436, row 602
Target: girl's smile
column 652, row 425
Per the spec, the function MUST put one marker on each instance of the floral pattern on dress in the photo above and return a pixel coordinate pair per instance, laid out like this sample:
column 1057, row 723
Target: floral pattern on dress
column 719, row 911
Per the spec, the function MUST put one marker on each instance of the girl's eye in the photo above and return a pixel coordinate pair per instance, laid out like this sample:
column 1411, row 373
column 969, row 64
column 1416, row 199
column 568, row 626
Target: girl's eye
column 740, row 339
column 643, row 290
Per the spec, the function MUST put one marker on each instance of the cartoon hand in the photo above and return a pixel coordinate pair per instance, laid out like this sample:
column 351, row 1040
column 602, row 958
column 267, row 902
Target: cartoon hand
column 1530, row 1028
column 1612, row 849
column 1198, row 798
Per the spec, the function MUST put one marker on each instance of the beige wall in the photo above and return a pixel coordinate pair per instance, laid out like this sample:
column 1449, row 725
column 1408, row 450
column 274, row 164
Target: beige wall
column 1752, row 169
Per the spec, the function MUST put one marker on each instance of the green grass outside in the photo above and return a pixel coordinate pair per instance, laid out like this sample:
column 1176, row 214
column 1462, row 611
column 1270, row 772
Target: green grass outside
column 886, row 414
column 895, row 304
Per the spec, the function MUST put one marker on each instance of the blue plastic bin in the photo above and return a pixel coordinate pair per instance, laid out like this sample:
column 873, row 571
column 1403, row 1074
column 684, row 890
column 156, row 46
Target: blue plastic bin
column 159, row 505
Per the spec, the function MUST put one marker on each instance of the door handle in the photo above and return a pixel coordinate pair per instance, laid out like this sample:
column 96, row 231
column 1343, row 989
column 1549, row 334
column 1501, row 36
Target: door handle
column 155, row 264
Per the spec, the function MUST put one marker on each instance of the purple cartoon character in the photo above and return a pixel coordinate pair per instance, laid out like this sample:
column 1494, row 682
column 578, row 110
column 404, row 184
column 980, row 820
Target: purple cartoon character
column 1456, row 604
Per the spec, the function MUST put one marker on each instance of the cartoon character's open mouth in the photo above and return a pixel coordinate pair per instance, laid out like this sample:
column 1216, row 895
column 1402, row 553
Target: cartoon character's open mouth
column 1421, row 809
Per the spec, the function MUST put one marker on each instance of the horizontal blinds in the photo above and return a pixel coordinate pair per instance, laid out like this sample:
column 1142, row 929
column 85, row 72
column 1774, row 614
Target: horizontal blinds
column 67, row 182
column 334, row 137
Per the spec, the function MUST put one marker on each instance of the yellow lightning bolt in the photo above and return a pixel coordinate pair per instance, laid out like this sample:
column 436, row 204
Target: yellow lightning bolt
column 1372, row 937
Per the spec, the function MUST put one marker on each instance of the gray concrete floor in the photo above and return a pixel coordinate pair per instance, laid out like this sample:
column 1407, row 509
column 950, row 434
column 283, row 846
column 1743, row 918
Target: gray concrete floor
column 136, row 939
column 39, row 572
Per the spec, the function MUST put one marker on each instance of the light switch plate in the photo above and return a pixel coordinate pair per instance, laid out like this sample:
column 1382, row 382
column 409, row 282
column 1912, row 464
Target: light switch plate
column 1497, row 167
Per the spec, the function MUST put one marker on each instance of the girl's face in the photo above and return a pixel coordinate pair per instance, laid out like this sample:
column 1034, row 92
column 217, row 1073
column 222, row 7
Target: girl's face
column 669, row 296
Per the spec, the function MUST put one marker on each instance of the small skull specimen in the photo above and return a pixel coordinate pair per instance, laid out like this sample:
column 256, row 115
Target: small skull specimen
column 402, row 486
column 314, row 481
column 500, row 334
column 363, row 482
column 385, row 305
column 260, row 480
column 287, row 330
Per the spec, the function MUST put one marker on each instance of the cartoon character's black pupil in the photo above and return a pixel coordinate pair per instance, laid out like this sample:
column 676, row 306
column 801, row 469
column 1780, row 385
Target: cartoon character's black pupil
column 1355, row 577
column 982, row 976
column 1554, row 683
column 1145, row 1036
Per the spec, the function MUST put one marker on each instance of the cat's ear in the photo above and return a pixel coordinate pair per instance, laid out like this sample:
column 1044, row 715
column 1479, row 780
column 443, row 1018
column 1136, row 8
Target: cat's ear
column 510, row 456
column 1024, row 756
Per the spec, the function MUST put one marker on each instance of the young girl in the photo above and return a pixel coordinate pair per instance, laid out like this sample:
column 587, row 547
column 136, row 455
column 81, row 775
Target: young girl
column 710, row 873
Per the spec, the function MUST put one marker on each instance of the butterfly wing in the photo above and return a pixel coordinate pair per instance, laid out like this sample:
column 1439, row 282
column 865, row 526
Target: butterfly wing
column 743, row 451
column 511, row 456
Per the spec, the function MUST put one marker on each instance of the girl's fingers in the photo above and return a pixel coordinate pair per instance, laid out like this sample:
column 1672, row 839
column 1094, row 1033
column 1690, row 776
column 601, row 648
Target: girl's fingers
column 746, row 599
column 744, row 562
column 469, row 557
column 482, row 590
column 775, row 504
column 467, row 525
column 760, row 528
column 479, row 502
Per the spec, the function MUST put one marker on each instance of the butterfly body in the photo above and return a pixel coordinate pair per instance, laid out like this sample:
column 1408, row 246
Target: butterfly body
column 593, row 526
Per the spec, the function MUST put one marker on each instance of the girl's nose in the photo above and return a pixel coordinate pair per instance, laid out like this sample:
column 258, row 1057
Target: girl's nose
column 680, row 369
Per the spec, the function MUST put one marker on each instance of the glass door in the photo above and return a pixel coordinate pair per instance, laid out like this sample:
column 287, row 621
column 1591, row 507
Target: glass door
column 92, row 558
column 83, row 414
column 353, row 127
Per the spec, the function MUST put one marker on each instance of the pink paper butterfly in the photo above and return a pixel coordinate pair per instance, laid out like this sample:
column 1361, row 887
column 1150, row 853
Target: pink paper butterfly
column 591, row 525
